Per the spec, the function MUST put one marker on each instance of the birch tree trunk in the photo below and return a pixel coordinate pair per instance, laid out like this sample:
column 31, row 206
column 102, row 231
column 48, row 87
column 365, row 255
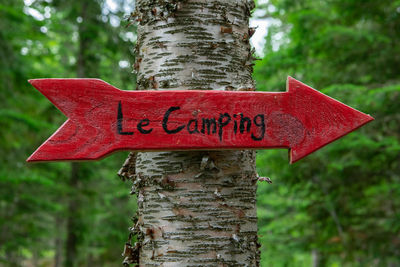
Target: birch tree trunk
column 195, row 208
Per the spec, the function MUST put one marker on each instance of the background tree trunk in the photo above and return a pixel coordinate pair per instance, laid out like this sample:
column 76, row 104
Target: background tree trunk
column 73, row 220
column 195, row 208
column 58, row 242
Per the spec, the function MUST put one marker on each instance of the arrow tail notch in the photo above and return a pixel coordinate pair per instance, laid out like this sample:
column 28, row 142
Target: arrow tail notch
column 79, row 100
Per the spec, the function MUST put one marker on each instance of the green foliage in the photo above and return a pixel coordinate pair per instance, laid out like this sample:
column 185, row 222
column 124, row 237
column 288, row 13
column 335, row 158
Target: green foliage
column 44, row 39
column 341, row 203
column 344, row 199
column 316, row 40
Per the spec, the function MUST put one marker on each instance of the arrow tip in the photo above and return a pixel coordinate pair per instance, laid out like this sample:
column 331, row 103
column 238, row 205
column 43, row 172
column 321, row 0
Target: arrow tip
column 325, row 119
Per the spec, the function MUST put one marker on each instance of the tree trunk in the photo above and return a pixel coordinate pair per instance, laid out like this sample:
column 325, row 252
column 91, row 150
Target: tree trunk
column 195, row 208
column 73, row 220
column 315, row 258
column 58, row 242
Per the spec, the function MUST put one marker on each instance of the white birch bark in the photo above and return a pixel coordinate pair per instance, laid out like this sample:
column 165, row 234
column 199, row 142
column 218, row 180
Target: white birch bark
column 195, row 208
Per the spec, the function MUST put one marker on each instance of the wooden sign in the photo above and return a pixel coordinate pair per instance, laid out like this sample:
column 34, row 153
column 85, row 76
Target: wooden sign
column 103, row 119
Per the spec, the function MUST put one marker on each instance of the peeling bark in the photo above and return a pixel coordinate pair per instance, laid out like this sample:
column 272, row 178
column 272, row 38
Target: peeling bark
column 194, row 208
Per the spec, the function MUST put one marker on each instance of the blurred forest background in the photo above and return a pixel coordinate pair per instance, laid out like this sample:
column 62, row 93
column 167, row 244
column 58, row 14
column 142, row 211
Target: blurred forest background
column 338, row 207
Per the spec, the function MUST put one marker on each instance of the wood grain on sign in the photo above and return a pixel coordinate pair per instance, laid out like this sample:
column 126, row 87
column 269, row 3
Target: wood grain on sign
column 103, row 119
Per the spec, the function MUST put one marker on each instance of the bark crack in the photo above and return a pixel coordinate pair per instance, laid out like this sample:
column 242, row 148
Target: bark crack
column 194, row 208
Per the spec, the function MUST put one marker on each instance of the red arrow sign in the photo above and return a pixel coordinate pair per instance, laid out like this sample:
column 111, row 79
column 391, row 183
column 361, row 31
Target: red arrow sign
column 103, row 119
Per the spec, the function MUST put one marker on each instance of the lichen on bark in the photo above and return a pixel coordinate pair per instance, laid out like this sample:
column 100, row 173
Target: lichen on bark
column 195, row 208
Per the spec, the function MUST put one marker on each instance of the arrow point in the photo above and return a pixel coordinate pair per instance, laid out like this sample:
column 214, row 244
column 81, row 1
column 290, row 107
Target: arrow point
column 324, row 118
